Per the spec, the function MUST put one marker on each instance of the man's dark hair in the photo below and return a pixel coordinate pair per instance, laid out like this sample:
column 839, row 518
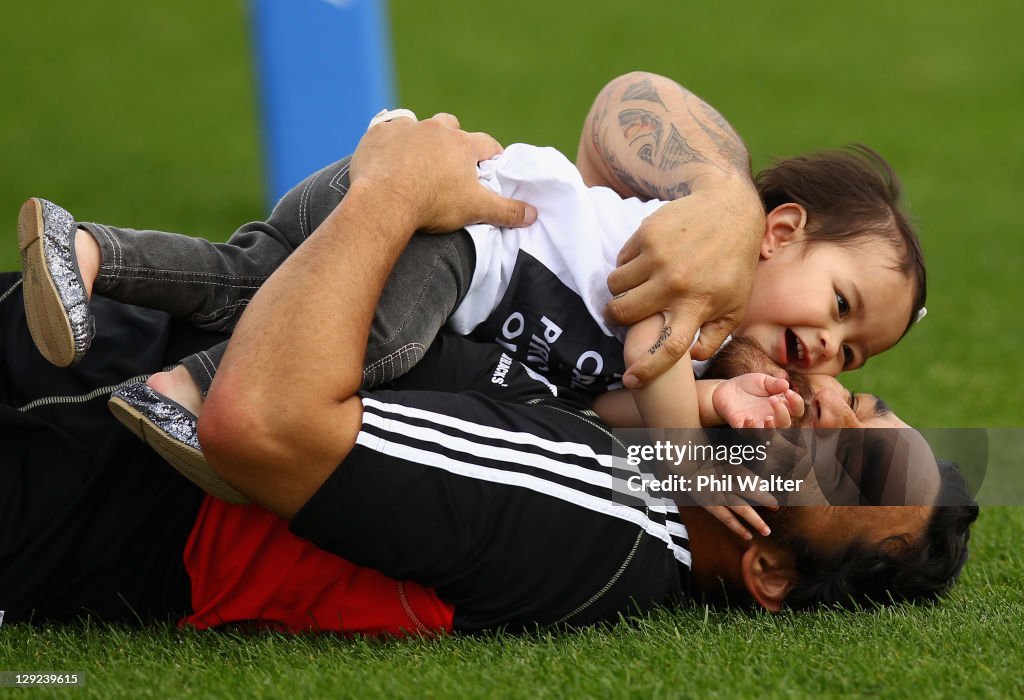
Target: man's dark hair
column 897, row 569
column 850, row 195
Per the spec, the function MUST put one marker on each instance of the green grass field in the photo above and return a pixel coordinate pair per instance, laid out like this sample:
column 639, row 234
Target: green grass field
column 143, row 114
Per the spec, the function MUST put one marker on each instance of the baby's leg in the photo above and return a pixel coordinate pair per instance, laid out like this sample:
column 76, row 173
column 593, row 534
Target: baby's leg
column 427, row 283
column 211, row 283
column 177, row 384
column 65, row 262
column 202, row 367
column 165, row 415
column 429, row 280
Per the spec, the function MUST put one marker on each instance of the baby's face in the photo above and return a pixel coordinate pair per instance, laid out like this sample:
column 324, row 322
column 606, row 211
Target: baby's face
column 826, row 308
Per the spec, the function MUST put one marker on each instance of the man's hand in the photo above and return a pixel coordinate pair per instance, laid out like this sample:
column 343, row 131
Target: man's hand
column 757, row 401
column 395, row 156
column 647, row 136
column 694, row 259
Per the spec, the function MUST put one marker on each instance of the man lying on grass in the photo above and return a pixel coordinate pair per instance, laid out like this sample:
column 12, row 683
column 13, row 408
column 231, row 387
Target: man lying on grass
column 482, row 506
column 429, row 480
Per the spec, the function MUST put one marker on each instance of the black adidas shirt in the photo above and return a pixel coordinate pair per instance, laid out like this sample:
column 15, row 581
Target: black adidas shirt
column 497, row 494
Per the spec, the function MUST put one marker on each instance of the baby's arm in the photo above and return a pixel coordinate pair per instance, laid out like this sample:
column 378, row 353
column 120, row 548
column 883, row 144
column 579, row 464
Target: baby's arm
column 747, row 401
column 671, row 400
column 677, row 400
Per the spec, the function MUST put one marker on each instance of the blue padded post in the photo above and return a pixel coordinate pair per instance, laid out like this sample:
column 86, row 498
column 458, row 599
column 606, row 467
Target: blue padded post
column 324, row 70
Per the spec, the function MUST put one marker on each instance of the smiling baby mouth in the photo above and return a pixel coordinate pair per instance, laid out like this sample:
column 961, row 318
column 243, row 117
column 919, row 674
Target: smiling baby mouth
column 795, row 350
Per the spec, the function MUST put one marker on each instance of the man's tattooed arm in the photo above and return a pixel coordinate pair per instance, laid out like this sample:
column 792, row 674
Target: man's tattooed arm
column 647, row 136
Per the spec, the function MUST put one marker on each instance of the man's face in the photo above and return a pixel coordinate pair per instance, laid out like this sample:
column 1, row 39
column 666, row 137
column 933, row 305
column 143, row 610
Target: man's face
column 852, row 449
column 893, row 466
column 838, row 453
column 833, row 406
column 909, row 476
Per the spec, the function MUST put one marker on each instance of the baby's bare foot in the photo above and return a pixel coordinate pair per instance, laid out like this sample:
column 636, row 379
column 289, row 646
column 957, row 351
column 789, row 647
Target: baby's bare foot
column 87, row 253
column 178, row 386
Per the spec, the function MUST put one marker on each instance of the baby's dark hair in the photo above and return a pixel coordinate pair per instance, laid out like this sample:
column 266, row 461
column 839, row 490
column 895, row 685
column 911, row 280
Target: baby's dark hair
column 850, row 195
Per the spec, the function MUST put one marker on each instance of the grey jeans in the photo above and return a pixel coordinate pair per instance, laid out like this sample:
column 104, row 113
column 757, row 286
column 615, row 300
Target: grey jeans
column 211, row 283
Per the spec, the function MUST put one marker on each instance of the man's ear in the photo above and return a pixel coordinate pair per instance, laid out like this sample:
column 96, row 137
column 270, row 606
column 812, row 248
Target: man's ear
column 769, row 573
column 783, row 225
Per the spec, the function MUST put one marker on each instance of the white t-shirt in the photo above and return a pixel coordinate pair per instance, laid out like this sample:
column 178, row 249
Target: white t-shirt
column 540, row 291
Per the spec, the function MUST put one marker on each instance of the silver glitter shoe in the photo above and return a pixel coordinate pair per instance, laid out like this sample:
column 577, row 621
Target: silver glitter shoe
column 56, row 305
column 172, row 431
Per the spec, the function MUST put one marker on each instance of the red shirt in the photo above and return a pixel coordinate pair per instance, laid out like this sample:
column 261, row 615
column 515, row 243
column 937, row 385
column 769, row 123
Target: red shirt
column 246, row 566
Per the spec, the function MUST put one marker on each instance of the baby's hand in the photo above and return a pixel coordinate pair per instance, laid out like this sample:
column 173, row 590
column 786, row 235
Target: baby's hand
column 757, row 400
column 737, row 509
column 734, row 507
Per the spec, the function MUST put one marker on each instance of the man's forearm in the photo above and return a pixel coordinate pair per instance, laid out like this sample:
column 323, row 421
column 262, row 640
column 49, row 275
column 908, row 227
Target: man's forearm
column 283, row 411
column 314, row 313
column 647, row 136
column 285, row 395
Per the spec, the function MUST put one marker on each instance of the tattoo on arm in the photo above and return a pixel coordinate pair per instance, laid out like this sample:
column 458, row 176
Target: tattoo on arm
column 636, row 125
column 678, row 152
column 665, row 333
column 726, row 140
column 641, row 125
column 642, row 186
column 643, row 90
column 652, row 160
